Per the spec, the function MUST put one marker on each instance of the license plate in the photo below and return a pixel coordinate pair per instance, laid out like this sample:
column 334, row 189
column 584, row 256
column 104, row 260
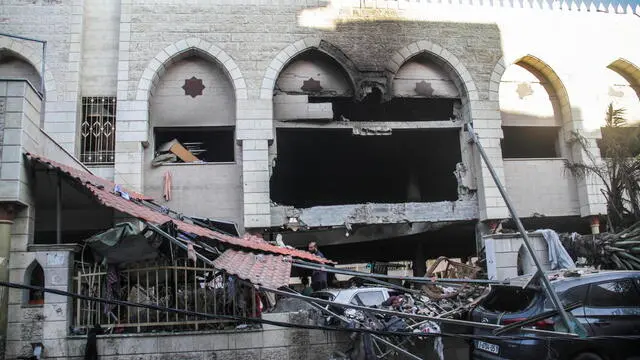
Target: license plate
column 484, row 346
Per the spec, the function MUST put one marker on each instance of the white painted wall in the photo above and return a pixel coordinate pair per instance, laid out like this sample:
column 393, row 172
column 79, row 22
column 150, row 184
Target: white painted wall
column 419, row 69
column 101, row 28
column 541, row 186
column 170, row 106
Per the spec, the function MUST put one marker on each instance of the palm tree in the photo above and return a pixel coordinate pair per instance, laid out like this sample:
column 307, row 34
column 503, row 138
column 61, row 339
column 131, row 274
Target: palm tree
column 619, row 169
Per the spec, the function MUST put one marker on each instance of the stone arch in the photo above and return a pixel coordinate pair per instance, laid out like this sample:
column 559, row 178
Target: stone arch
column 181, row 49
column 461, row 76
column 539, row 68
column 288, row 54
column 33, row 57
column 34, row 276
column 629, row 71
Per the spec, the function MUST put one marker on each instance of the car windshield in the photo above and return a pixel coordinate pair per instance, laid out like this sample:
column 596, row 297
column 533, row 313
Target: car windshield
column 509, row 299
column 368, row 298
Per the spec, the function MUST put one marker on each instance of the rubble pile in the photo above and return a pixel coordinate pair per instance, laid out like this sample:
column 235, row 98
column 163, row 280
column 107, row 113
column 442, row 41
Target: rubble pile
column 433, row 300
column 614, row 251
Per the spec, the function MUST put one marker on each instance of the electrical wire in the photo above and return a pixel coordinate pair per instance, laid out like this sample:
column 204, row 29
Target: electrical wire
column 301, row 326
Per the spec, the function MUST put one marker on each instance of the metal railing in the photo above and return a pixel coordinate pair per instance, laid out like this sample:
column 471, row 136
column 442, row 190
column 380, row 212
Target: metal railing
column 183, row 285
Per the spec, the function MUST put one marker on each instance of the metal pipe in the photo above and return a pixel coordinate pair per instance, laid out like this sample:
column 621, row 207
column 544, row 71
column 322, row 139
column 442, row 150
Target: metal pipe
column 571, row 326
column 58, row 210
column 314, row 266
column 396, row 347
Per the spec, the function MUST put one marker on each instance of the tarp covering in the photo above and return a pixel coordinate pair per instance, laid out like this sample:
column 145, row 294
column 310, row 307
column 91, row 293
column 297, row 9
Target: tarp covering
column 122, row 244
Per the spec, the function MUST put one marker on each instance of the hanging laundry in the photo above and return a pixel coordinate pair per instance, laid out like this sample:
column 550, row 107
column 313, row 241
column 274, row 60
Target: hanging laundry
column 167, row 179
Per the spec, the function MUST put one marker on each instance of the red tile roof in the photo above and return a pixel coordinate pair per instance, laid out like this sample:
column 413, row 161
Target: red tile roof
column 102, row 189
column 266, row 270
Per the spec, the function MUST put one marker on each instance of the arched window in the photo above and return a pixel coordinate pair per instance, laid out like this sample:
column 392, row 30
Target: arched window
column 34, row 276
column 531, row 113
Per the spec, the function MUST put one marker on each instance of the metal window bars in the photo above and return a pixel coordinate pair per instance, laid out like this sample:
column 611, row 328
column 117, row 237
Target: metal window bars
column 181, row 284
column 98, row 130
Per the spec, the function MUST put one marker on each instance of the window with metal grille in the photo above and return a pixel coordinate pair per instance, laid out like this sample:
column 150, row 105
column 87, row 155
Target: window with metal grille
column 98, row 130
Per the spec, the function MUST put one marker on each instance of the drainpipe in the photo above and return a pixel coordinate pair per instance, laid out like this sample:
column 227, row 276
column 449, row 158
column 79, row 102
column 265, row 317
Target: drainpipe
column 7, row 214
column 42, row 68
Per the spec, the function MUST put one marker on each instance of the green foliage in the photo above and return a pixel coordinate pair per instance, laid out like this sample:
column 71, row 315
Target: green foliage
column 619, row 169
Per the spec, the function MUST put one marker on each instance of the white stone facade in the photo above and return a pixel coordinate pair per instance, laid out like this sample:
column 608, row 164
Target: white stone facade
column 253, row 43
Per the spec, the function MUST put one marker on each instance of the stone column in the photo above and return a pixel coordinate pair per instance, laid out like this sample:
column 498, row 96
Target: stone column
column 7, row 215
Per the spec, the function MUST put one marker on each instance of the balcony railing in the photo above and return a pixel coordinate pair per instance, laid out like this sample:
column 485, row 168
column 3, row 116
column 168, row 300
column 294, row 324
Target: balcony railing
column 181, row 285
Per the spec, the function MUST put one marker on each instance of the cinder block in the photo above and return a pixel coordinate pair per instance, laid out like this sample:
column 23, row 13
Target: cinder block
column 255, row 198
column 262, row 155
column 256, row 187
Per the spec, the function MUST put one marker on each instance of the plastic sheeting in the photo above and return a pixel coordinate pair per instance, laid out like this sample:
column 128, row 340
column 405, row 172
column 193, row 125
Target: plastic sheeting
column 558, row 256
column 122, row 244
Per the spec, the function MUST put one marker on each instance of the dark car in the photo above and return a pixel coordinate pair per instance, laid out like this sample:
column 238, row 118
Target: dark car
column 610, row 306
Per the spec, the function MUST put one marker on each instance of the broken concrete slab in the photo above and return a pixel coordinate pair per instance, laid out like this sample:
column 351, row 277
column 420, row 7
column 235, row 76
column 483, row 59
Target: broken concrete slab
column 338, row 215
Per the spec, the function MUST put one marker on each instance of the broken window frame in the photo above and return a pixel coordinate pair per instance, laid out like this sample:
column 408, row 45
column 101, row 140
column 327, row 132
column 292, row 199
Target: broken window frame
column 227, row 132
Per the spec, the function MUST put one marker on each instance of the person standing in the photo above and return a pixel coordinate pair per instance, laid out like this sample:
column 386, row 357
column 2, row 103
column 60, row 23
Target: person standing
column 318, row 277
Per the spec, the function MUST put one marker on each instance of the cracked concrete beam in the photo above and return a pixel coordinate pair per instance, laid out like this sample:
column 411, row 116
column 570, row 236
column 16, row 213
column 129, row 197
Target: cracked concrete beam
column 338, row 215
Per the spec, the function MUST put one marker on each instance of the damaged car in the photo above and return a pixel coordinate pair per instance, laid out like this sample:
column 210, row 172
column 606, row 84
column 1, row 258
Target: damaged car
column 605, row 304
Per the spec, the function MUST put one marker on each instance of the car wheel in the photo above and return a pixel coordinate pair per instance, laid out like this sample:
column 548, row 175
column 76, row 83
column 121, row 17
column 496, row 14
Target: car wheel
column 587, row 356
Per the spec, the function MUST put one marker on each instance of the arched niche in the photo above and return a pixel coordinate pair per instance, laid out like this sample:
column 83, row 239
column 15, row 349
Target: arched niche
column 424, row 90
column 531, row 109
column 194, row 102
column 623, row 89
column 34, row 276
column 14, row 66
column 315, row 74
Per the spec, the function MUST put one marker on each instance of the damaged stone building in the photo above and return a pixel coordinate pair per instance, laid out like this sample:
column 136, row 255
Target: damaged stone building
column 339, row 122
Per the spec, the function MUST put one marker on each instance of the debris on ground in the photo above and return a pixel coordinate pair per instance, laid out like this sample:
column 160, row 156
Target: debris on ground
column 612, row 251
